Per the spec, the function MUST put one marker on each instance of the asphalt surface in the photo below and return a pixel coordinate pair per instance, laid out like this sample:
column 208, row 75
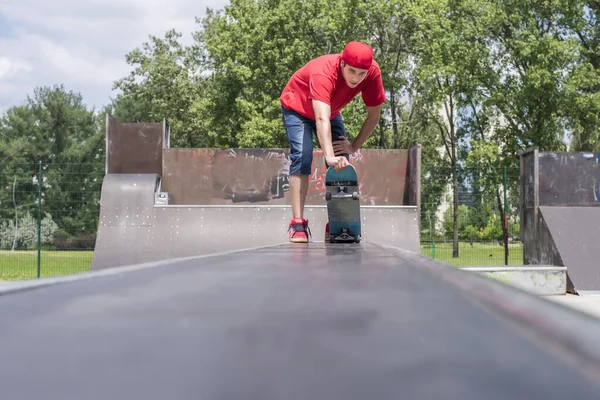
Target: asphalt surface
column 314, row 321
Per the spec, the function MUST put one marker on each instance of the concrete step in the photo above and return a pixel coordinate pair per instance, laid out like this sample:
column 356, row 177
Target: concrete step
column 541, row 280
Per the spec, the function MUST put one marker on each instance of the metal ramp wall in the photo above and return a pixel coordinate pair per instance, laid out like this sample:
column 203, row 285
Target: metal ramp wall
column 160, row 203
column 560, row 215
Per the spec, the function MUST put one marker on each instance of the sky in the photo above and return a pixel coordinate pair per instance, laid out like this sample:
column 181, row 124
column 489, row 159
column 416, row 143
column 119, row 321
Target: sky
column 82, row 44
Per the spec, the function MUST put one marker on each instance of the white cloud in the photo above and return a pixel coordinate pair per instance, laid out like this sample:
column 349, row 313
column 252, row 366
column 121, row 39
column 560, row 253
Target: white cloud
column 82, row 44
column 10, row 68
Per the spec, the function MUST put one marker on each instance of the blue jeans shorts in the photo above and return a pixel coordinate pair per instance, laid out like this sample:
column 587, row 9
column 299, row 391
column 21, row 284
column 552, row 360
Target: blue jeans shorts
column 300, row 130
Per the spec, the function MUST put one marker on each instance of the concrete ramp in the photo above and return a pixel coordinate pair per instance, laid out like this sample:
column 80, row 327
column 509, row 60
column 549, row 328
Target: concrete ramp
column 570, row 237
column 134, row 228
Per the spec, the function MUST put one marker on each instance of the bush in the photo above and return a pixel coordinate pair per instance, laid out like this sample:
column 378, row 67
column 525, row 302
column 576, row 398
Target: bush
column 83, row 241
column 27, row 232
column 61, row 240
column 80, row 241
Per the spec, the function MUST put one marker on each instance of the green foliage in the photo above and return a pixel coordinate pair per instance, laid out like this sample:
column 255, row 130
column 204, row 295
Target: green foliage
column 481, row 223
column 24, row 235
column 253, row 47
column 166, row 82
column 53, row 128
column 532, row 57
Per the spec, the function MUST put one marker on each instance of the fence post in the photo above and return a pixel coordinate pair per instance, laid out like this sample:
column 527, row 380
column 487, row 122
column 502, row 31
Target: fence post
column 39, row 221
column 433, row 250
column 505, row 218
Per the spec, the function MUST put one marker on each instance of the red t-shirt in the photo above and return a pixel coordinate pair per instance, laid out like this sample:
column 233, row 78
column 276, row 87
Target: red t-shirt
column 321, row 79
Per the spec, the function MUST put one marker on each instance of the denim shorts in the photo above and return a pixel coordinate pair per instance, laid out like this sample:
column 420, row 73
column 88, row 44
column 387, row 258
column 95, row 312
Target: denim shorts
column 300, row 130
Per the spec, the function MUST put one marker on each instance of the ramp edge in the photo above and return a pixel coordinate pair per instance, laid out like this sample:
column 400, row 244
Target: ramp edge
column 570, row 334
column 17, row 287
column 539, row 280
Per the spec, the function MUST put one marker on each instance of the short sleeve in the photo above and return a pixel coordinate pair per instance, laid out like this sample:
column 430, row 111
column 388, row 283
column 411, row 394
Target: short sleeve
column 373, row 93
column 321, row 88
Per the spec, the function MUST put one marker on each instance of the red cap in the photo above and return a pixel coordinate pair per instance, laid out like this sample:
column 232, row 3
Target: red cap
column 358, row 55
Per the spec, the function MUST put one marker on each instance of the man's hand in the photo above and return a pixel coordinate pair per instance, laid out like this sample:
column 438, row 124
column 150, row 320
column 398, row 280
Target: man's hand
column 338, row 163
column 342, row 146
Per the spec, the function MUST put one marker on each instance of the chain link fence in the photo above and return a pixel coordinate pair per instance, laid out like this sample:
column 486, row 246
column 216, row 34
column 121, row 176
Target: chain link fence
column 49, row 215
column 487, row 217
column 48, row 218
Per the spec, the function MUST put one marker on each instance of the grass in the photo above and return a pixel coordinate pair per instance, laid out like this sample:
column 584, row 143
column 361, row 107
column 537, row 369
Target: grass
column 20, row 265
column 483, row 253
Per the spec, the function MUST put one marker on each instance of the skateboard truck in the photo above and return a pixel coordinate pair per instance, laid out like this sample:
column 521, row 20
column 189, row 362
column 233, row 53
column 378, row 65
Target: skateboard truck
column 353, row 196
column 344, row 236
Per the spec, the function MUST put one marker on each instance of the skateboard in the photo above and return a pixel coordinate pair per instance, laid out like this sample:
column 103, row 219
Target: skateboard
column 343, row 205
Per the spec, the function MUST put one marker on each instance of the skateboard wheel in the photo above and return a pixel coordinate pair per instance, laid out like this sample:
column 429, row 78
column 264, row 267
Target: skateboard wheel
column 355, row 195
column 357, row 238
column 328, row 196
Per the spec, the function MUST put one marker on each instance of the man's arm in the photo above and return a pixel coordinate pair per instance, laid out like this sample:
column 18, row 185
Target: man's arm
column 368, row 127
column 323, row 122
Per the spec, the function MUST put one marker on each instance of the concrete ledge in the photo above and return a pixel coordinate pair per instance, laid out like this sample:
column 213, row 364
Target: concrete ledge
column 541, row 280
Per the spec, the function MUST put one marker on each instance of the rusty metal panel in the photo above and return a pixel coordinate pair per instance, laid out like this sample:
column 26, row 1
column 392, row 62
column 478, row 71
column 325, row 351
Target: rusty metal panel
column 529, row 205
column 260, row 176
column 569, row 179
column 186, row 175
column 565, row 185
column 413, row 186
column 133, row 148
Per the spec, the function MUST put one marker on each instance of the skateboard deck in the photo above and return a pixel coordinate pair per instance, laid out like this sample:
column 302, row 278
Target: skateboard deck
column 343, row 205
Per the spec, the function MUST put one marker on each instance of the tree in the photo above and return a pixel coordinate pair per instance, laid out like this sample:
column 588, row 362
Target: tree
column 579, row 21
column 532, row 59
column 252, row 48
column 53, row 128
column 166, row 81
column 450, row 53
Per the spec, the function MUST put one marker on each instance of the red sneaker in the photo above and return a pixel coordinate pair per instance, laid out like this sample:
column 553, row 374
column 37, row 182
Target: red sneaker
column 327, row 232
column 298, row 231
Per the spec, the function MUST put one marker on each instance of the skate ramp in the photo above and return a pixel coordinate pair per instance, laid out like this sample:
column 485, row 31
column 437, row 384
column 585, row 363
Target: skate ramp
column 560, row 214
column 134, row 229
column 160, row 203
column 294, row 322
column 569, row 236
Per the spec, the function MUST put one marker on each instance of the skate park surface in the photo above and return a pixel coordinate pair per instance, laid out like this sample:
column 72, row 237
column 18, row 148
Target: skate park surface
column 195, row 293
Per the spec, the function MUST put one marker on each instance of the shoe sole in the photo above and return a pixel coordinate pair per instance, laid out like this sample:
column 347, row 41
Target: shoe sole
column 299, row 240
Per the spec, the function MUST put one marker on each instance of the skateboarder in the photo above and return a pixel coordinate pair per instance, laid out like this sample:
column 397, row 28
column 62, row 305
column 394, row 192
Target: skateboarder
column 311, row 102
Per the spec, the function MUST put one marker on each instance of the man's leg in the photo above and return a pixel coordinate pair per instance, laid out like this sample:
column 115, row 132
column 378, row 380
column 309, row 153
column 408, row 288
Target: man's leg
column 299, row 131
column 298, row 190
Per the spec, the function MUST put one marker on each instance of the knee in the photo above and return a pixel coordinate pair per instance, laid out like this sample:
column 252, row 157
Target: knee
column 306, row 165
column 301, row 165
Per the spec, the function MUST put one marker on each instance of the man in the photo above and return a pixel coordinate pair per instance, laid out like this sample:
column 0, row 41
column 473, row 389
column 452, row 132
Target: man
column 311, row 102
